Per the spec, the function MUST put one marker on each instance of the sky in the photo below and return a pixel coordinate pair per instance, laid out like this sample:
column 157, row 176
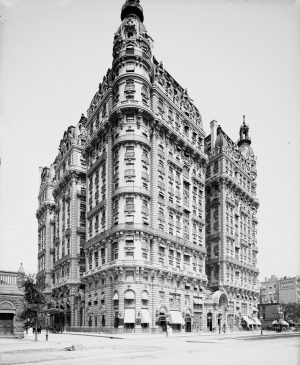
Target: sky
column 234, row 57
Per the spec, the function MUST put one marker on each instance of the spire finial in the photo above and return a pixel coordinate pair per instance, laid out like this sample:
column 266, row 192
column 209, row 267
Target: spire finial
column 244, row 119
column 132, row 7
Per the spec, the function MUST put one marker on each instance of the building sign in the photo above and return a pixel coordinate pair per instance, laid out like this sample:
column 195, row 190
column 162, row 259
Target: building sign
column 287, row 284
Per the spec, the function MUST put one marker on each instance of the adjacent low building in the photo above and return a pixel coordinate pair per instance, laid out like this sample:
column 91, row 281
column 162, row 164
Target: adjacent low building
column 11, row 302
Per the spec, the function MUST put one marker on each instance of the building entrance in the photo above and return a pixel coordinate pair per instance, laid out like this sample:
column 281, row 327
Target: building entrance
column 6, row 324
column 209, row 321
column 162, row 322
column 188, row 324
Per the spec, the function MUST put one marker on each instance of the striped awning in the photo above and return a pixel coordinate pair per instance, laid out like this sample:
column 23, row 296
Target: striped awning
column 144, row 296
column 129, row 315
column 145, row 316
column 257, row 321
column 197, row 301
column 116, row 296
column 129, row 294
column 176, row 317
column 247, row 320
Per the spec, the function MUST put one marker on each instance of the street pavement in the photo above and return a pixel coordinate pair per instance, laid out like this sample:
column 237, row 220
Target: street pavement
column 231, row 348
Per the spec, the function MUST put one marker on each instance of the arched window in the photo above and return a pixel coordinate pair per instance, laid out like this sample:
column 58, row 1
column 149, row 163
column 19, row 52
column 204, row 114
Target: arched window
column 145, row 299
column 129, row 299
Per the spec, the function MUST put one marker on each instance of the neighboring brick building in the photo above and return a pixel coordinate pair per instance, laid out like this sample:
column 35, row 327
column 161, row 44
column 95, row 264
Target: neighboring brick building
column 11, row 302
column 284, row 290
column 269, row 292
column 270, row 312
column 145, row 248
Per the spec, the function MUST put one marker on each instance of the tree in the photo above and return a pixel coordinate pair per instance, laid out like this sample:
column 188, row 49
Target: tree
column 34, row 299
column 292, row 311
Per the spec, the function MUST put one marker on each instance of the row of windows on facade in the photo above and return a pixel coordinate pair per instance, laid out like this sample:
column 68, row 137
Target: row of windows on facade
column 181, row 260
column 61, row 273
column 71, row 160
column 177, row 122
column 99, row 151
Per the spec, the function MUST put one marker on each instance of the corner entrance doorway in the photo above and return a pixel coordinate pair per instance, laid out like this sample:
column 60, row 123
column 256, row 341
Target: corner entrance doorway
column 209, row 321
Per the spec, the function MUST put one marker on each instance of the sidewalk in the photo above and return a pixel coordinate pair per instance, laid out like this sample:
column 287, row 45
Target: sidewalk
column 85, row 341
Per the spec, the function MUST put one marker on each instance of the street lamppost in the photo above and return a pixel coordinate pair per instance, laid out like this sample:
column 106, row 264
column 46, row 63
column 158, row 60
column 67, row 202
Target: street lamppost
column 47, row 326
column 261, row 325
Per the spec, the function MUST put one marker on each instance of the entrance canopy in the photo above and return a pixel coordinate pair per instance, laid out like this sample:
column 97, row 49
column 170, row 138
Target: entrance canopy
column 129, row 316
column 176, row 317
column 145, row 316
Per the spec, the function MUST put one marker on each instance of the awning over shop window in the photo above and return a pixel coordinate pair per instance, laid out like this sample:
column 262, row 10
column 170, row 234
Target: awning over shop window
column 145, row 295
column 257, row 321
column 129, row 316
column 284, row 323
column 197, row 301
column 251, row 321
column 129, row 295
column 176, row 317
column 145, row 316
column 248, row 320
column 102, row 296
column 116, row 296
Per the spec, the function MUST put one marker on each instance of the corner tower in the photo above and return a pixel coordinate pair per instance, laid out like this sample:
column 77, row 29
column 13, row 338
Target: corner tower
column 145, row 249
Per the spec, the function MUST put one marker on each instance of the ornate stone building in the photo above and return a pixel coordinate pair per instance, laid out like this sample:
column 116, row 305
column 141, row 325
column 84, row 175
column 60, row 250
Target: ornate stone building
column 231, row 223
column 145, row 249
column 61, row 216
column 45, row 218
column 143, row 235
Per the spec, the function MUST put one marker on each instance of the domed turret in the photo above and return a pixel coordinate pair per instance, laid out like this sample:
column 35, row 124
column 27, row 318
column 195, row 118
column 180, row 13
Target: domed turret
column 244, row 134
column 21, row 269
column 132, row 7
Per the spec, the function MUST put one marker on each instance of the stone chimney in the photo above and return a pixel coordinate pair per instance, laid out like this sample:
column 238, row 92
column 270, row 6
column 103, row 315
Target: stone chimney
column 213, row 133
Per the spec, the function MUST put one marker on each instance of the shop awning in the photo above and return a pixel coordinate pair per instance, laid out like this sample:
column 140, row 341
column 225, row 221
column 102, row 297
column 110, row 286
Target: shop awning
column 257, row 321
column 247, row 320
column 145, row 316
column 129, row 315
column 197, row 301
column 116, row 296
column 176, row 317
column 145, row 295
column 284, row 323
column 102, row 296
column 54, row 310
column 251, row 321
column 129, row 295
